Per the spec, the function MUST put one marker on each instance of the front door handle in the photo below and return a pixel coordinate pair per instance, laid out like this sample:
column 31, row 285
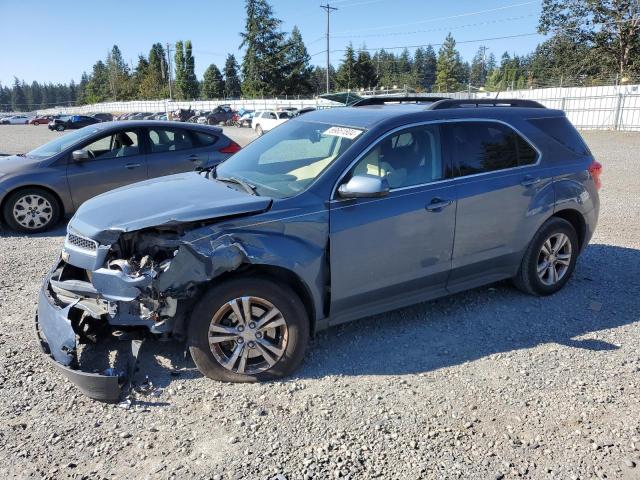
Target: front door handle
column 437, row 204
column 193, row 158
column 131, row 166
column 529, row 181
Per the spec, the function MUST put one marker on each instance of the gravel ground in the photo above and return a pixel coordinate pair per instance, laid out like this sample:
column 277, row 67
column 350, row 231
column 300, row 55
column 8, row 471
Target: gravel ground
column 486, row 384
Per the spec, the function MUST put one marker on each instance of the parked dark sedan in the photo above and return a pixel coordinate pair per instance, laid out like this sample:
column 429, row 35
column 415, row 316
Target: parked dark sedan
column 38, row 188
column 221, row 114
column 72, row 122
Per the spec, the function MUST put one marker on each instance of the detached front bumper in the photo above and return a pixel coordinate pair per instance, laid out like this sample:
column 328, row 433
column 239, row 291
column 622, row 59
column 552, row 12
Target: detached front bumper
column 57, row 340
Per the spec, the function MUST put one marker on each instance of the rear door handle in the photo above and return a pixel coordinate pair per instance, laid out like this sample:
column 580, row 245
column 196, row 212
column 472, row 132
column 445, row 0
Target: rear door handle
column 437, row 204
column 193, row 158
column 530, row 181
column 131, row 166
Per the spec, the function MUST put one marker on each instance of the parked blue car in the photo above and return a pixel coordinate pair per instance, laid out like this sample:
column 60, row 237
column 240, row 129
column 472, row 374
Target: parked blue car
column 332, row 216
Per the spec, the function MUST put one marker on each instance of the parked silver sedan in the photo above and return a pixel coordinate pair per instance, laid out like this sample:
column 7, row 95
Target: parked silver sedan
column 40, row 187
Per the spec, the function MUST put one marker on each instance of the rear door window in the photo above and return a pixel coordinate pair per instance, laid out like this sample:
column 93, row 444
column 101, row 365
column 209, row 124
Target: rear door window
column 480, row 147
column 204, row 139
column 170, row 140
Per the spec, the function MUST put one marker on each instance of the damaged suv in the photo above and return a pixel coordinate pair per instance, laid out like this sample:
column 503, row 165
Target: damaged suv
column 333, row 216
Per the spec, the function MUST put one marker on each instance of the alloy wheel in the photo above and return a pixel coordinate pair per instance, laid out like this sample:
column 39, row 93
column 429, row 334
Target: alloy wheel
column 32, row 211
column 248, row 335
column 554, row 259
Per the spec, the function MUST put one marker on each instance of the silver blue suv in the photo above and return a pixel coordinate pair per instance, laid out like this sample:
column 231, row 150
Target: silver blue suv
column 333, row 216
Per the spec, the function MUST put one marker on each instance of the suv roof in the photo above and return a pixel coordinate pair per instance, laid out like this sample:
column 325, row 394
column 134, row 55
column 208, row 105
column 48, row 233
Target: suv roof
column 371, row 112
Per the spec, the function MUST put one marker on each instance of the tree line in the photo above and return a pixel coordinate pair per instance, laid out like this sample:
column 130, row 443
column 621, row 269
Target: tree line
column 591, row 42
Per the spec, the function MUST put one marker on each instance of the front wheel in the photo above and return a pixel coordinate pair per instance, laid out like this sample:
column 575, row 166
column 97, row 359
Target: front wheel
column 550, row 258
column 248, row 329
column 259, row 131
column 60, row 128
column 31, row 210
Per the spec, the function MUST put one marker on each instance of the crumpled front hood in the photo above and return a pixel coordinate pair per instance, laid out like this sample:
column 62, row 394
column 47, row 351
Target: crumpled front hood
column 180, row 198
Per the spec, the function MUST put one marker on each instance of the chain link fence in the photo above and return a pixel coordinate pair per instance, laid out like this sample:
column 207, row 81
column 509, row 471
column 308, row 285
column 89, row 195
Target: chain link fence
column 588, row 108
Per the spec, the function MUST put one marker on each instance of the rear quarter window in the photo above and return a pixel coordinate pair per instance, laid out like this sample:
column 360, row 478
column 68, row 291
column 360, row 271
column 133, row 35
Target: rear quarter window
column 561, row 130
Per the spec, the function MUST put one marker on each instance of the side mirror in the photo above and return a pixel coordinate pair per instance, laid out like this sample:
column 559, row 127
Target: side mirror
column 364, row 186
column 80, row 155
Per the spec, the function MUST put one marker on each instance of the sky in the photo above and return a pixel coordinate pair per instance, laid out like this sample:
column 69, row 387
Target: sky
column 56, row 41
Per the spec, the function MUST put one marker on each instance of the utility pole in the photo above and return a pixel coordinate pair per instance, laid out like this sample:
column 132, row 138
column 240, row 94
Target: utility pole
column 329, row 9
column 169, row 69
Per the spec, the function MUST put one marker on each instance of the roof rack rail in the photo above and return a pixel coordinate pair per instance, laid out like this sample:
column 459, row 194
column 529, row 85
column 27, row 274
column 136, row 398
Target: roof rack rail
column 382, row 99
column 497, row 102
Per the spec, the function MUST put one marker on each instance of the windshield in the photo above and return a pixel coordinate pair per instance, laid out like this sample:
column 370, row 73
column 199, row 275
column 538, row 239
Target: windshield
column 285, row 161
column 61, row 144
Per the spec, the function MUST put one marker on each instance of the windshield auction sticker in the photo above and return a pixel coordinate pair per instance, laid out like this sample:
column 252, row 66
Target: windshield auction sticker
column 345, row 132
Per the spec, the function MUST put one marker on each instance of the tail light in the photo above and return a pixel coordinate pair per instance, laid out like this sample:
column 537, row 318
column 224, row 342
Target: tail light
column 595, row 169
column 233, row 147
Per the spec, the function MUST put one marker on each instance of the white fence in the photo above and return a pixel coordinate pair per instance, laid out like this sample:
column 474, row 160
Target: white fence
column 588, row 108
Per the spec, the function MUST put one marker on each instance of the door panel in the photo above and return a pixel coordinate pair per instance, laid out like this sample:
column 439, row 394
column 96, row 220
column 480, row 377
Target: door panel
column 118, row 161
column 390, row 247
column 173, row 150
column 497, row 189
column 394, row 250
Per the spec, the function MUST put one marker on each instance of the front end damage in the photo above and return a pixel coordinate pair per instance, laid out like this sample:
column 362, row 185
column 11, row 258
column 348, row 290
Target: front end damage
column 143, row 282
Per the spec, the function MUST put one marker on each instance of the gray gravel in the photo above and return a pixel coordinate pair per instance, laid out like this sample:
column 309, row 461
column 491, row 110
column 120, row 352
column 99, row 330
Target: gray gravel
column 486, row 384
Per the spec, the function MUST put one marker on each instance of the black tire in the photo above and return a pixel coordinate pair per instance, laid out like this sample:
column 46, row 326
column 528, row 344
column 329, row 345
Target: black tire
column 60, row 128
column 55, row 210
column 280, row 296
column 259, row 130
column 527, row 278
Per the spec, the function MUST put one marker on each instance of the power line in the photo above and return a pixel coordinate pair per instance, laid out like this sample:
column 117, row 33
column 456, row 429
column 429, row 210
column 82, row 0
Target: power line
column 440, row 44
column 449, row 28
column 438, row 19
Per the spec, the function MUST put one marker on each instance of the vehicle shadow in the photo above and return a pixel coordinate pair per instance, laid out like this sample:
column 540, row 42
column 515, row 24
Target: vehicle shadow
column 60, row 230
column 604, row 293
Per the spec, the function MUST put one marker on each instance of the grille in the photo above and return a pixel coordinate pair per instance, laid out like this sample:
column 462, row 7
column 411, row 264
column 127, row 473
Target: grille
column 81, row 242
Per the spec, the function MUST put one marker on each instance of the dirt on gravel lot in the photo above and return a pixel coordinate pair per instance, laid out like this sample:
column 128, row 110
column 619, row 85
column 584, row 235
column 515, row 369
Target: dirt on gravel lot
column 486, row 384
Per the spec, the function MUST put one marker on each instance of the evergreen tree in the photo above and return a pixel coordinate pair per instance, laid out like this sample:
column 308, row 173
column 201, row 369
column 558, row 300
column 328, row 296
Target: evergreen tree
column 450, row 71
column 73, row 91
column 35, row 96
column 5, row 99
column 478, row 70
column 154, row 85
column 191, row 86
column 345, row 76
column 404, row 70
column 118, row 75
column 263, row 69
column 98, row 85
column 298, row 80
column 212, row 83
column 319, row 79
column 82, row 89
column 232, row 86
column 179, row 65
column 430, row 68
column 18, row 97
column 364, row 70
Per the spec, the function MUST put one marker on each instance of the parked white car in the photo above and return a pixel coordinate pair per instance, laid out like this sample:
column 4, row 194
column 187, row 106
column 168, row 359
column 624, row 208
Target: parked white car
column 15, row 120
column 265, row 120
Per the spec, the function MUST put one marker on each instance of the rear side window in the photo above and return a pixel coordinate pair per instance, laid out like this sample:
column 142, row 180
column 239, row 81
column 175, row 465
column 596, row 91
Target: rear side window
column 204, row 139
column 561, row 130
column 479, row 147
column 169, row 140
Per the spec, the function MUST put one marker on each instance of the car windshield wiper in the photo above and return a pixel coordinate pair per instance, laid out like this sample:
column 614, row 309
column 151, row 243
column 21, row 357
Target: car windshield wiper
column 250, row 189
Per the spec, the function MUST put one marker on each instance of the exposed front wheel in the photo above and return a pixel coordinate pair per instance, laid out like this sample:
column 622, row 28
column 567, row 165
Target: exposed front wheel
column 31, row 210
column 248, row 329
column 259, row 131
column 550, row 258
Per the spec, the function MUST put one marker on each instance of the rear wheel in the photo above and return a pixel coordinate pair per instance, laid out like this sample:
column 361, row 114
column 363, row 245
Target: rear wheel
column 60, row 128
column 31, row 210
column 247, row 330
column 550, row 258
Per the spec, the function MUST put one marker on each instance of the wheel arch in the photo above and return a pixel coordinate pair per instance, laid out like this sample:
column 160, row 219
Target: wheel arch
column 576, row 219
